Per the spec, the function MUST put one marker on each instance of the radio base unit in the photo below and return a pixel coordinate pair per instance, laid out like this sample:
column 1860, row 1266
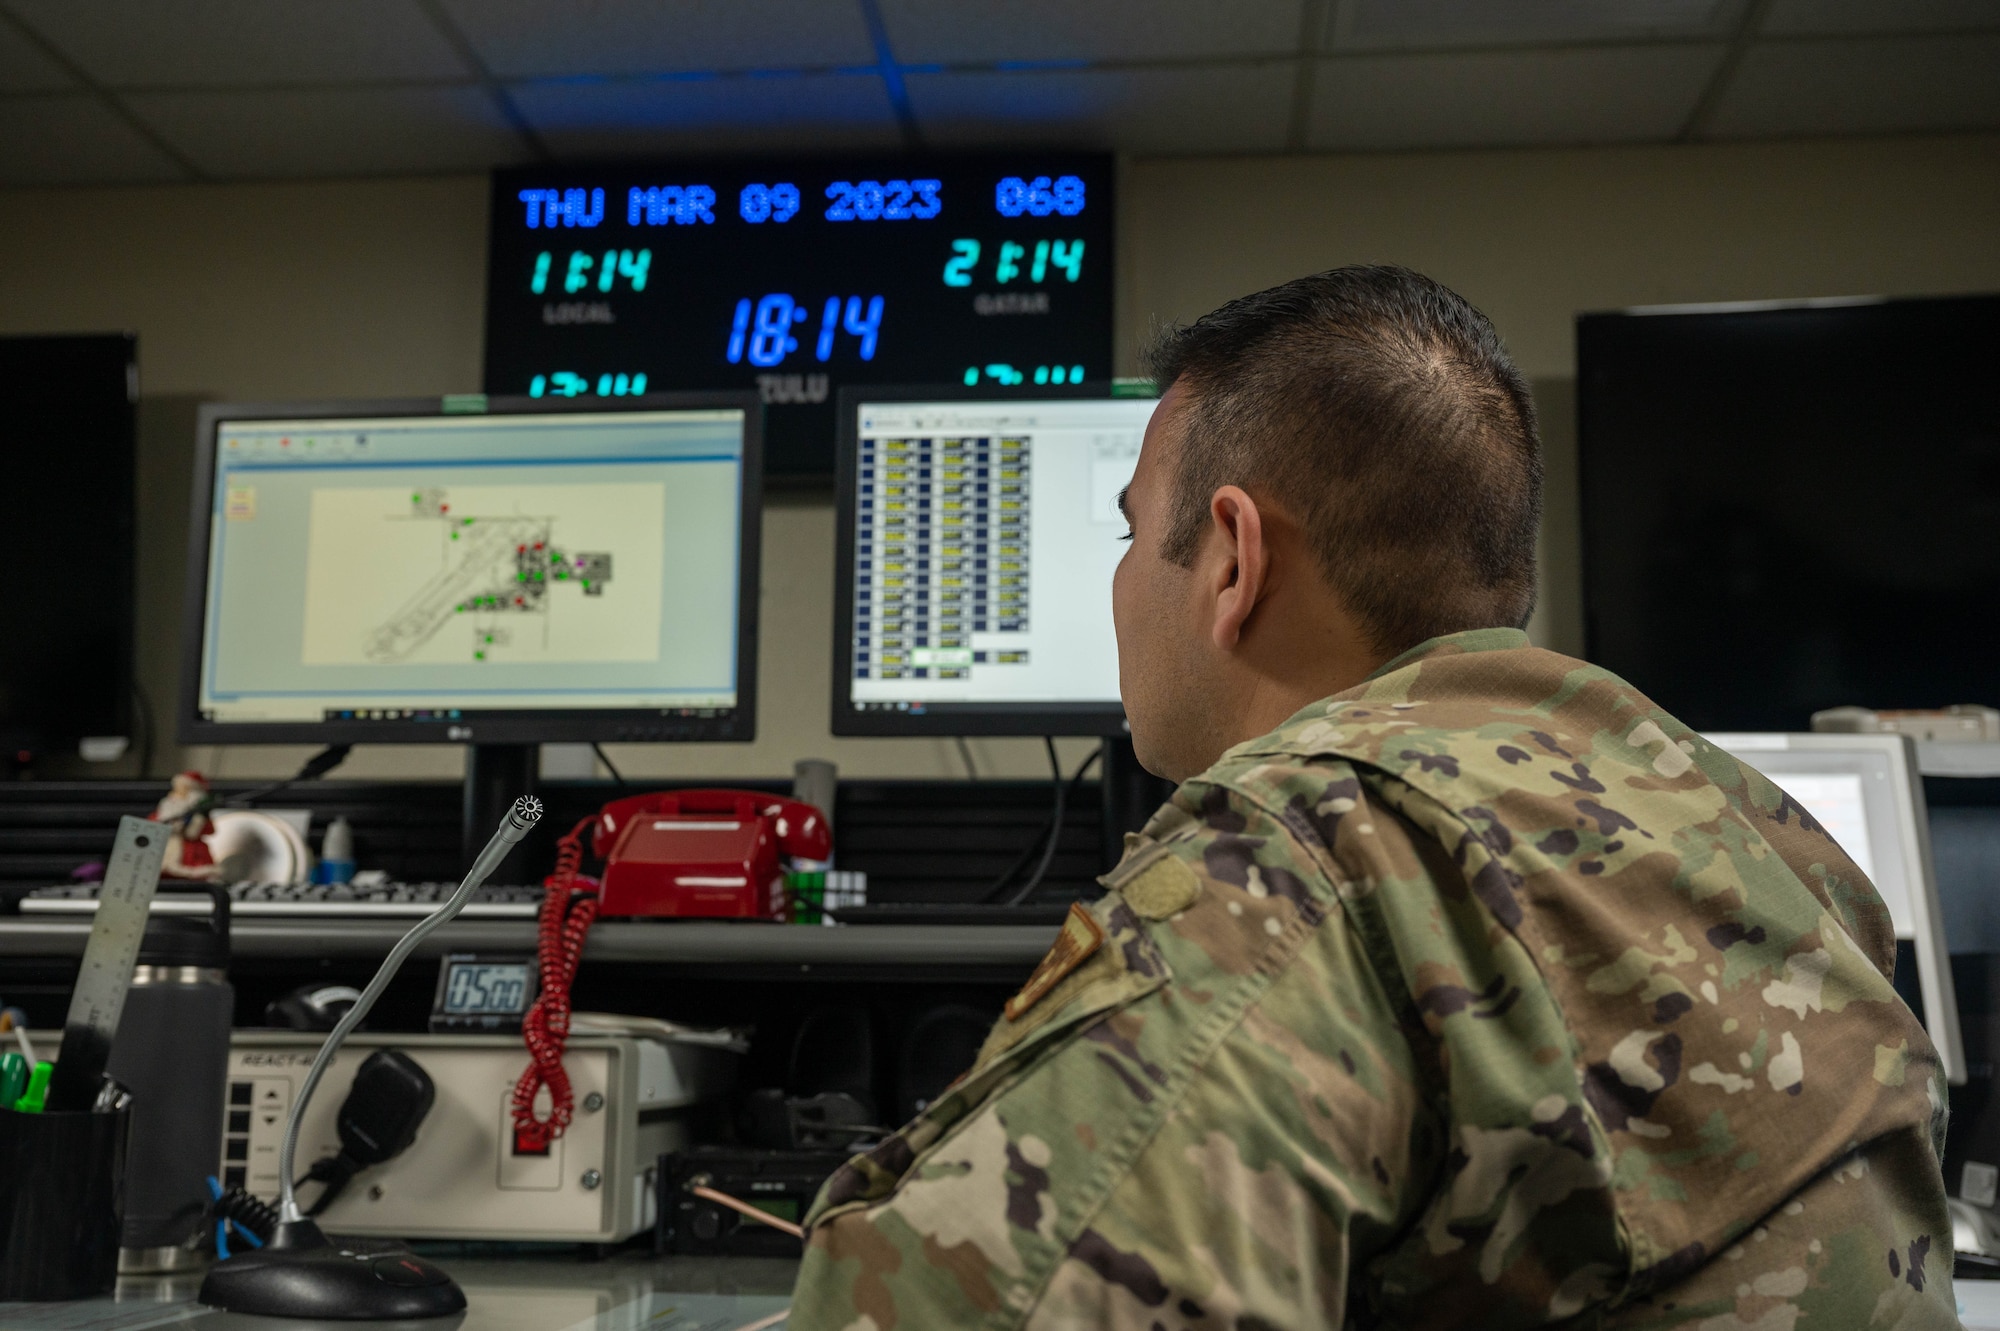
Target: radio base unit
column 462, row 1177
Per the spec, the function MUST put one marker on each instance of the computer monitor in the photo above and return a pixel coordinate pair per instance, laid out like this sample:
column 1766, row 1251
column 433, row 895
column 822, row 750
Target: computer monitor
column 1800, row 480
column 977, row 539
column 401, row 573
column 1866, row 791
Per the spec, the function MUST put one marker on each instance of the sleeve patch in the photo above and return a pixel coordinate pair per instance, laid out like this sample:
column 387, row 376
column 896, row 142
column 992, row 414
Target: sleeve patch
column 1081, row 936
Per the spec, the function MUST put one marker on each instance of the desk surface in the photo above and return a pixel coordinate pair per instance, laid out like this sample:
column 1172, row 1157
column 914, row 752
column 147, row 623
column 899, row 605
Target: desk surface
column 625, row 1292
column 1016, row 947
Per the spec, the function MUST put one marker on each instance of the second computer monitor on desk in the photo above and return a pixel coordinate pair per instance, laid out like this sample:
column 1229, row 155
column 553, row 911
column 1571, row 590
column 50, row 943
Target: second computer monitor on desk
column 388, row 572
column 1866, row 792
column 977, row 539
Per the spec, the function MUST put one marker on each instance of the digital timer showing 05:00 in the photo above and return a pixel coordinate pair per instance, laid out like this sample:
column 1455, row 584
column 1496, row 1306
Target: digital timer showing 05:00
column 766, row 337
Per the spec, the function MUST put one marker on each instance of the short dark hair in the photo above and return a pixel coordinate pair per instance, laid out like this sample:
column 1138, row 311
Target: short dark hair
column 1379, row 408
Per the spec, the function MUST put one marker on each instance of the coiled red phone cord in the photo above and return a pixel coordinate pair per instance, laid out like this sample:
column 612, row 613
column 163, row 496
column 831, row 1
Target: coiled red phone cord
column 568, row 910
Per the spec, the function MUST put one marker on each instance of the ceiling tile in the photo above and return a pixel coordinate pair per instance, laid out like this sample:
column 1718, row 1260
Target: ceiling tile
column 527, row 38
column 1861, row 87
column 1621, row 95
column 950, row 31
column 182, row 43
column 1791, row 17
column 74, row 139
column 731, row 114
column 24, row 68
column 1400, row 24
column 333, row 132
column 1197, row 109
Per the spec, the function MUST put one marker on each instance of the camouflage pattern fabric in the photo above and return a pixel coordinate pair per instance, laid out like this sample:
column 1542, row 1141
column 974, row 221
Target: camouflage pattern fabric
column 1482, row 994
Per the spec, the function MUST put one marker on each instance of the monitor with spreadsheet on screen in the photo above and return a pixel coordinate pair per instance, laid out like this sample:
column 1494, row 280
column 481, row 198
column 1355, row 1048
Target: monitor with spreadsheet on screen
column 1866, row 792
column 391, row 572
column 977, row 539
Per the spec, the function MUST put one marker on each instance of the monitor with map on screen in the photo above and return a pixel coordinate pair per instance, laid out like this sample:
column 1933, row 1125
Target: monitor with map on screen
column 390, row 573
column 393, row 572
column 977, row 539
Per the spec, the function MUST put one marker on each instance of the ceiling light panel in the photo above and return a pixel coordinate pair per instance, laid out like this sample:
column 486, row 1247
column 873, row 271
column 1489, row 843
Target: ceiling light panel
column 188, row 43
column 1791, row 17
column 308, row 132
column 638, row 117
column 1442, row 24
column 24, row 68
column 1507, row 99
column 1887, row 85
column 953, row 32
column 1240, row 108
column 74, row 139
column 566, row 38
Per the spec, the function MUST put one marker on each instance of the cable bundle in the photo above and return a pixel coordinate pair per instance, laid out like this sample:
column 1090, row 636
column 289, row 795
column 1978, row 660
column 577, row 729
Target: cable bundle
column 235, row 1209
column 568, row 910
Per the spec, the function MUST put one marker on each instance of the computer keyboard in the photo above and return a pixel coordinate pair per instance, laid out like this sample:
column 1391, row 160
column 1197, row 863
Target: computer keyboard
column 381, row 901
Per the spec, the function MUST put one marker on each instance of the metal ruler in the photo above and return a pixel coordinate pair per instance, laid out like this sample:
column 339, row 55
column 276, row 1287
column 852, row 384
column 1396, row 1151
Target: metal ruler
column 108, row 958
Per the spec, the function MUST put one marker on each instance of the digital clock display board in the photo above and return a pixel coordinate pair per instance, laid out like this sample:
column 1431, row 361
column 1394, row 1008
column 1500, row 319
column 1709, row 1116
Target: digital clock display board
column 796, row 279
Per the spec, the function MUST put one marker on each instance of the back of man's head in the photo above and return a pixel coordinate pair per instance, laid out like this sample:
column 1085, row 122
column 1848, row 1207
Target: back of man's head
column 1377, row 408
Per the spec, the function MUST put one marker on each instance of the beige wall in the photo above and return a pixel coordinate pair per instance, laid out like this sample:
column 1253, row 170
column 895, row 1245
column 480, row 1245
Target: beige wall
column 375, row 289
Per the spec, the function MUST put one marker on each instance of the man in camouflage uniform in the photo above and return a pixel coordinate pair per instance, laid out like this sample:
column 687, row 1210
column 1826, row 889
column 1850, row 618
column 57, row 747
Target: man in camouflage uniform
column 1480, row 992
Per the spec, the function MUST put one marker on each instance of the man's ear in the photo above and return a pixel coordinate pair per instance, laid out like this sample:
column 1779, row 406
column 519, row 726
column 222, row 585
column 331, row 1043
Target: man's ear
column 1241, row 563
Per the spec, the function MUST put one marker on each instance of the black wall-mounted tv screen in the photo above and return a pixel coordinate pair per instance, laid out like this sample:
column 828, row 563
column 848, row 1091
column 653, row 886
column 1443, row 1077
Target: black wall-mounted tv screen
column 797, row 278
column 67, row 448
column 1788, row 508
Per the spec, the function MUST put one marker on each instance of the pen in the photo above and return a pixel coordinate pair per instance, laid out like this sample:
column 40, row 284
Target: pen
column 13, row 1078
column 27, row 1049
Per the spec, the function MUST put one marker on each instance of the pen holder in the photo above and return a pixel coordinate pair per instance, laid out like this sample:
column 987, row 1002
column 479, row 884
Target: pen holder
column 62, row 1201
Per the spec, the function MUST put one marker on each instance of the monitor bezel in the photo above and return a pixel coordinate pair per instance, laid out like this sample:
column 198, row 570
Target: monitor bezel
column 976, row 720
column 556, row 726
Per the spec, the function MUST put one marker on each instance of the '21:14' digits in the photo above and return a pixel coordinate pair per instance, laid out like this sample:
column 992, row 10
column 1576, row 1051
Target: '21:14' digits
column 1013, row 260
column 764, row 331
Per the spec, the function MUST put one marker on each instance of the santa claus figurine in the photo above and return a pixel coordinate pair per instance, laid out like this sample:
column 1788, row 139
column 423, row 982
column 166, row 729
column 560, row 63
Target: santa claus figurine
column 185, row 812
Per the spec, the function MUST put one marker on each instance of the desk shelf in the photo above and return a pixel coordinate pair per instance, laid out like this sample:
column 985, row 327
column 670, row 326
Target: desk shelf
column 874, row 947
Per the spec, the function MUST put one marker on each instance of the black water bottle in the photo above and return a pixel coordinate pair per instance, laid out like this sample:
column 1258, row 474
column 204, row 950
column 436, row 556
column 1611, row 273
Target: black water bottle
column 172, row 1051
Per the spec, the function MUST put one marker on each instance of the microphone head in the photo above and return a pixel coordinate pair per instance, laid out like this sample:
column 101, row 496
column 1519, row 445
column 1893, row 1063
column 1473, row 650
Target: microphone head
column 527, row 811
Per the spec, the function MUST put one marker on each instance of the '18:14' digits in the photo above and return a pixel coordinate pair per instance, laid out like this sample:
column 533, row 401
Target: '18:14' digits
column 762, row 332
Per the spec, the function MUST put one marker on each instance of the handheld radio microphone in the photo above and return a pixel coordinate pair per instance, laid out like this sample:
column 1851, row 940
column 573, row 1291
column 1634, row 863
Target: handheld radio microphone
column 302, row 1273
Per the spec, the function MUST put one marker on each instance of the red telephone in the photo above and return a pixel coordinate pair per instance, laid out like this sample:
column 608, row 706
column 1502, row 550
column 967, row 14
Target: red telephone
column 703, row 853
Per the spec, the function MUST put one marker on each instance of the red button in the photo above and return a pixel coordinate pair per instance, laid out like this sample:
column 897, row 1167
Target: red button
column 409, row 1272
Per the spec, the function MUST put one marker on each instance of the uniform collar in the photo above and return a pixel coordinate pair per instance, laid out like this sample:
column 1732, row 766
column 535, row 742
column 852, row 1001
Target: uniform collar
column 1454, row 644
column 1450, row 644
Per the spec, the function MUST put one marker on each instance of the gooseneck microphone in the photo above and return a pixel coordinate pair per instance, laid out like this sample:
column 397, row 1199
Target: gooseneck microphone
column 300, row 1272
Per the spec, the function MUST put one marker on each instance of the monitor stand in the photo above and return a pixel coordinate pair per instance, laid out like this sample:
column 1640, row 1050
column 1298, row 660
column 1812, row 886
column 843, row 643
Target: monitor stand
column 495, row 776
